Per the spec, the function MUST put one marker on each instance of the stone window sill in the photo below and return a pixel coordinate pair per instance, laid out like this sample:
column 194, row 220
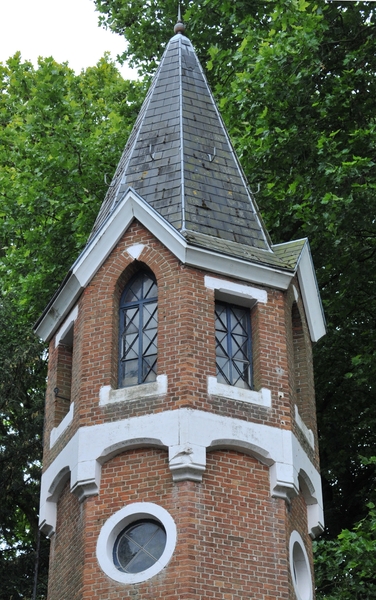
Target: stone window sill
column 308, row 433
column 261, row 398
column 138, row 392
column 63, row 425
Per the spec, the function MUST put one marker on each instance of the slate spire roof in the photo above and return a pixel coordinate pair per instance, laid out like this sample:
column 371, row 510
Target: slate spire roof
column 180, row 160
column 179, row 176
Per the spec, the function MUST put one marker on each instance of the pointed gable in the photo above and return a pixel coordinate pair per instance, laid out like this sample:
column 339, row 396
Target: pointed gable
column 179, row 177
column 180, row 160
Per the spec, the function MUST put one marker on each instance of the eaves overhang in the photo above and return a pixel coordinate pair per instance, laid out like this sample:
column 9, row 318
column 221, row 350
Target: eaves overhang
column 132, row 206
column 310, row 294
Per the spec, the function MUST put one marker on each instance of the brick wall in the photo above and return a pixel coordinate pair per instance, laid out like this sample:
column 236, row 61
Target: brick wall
column 297, row 520
column 231, row 533
column 63, row 382
column 300, row 373
column 186, row 346
column 300, row 368
column 232, row 536
column 67, row 550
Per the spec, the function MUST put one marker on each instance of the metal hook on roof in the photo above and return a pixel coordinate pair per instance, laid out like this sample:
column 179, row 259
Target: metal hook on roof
column 212, row 156
column 56, row 392
column 105, row 181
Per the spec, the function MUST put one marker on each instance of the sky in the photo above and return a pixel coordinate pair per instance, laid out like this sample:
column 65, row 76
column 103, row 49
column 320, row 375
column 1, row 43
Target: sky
column 65, row 29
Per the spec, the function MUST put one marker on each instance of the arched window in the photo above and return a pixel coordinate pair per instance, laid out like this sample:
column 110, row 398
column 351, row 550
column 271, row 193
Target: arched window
column 138, row 331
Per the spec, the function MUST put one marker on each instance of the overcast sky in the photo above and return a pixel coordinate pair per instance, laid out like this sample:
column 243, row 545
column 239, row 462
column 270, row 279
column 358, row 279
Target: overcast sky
column 65, row 29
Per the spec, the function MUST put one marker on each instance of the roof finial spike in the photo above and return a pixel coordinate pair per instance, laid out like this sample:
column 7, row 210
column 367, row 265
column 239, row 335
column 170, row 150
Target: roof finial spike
column 179, row 27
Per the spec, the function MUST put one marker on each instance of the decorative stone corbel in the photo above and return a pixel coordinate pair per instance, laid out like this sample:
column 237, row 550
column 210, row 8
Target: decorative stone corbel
column 283, row 481
column 187, row 462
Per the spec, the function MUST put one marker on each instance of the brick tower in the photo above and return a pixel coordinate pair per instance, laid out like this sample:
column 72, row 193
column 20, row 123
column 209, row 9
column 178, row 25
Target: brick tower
column 180, row 457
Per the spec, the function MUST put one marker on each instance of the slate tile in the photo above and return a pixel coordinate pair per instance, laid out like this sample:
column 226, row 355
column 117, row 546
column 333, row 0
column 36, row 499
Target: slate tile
column 217, row 201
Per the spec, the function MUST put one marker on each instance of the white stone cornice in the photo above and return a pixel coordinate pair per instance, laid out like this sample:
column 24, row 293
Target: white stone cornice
column 187, row 434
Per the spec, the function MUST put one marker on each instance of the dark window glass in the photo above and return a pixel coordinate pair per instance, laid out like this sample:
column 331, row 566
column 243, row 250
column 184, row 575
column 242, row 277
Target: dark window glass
column 233, row 345
column 139, row 546
column 138, row 331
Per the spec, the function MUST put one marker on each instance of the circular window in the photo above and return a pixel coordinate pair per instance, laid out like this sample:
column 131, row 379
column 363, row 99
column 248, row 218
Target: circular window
column 139, row 546
column 136, row 542
column 300, row 568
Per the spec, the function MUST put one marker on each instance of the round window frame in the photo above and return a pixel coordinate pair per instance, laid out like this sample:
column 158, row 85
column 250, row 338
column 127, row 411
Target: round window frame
column 119, row 521
column 301, row 574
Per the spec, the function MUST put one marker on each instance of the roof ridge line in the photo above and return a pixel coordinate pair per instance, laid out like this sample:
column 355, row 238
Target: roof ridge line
column 138, row 125
column 303, row 239
column 182, row 189
column 181, row 118
column 252, row 201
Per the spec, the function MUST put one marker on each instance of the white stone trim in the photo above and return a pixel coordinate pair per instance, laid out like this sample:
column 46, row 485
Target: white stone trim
column 63, row 425
column 300, row 568
column 187, row 434
column 231, row 392
column 132, row 206
column 238, row 268
column 136, row 250
column 66, row 326
column 154, row 389
column 308, row 433
column 228, row 290
column 187, row 462
column 117, row 522
column 311, row 295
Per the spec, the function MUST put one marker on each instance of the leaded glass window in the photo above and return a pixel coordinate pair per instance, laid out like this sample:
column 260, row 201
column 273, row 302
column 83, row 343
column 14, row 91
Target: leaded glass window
column 138, row 331
column 233, row 345
column 139, row 546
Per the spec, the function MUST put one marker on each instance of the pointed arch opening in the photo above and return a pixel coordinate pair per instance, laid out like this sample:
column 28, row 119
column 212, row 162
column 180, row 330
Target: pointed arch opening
column 138, row 331
column 301, row 388
column 64, row 368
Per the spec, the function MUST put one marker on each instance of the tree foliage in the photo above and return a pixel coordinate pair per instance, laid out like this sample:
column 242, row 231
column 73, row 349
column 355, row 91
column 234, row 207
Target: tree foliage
column 60, row 133
column 345, row 566
column 22, row 382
